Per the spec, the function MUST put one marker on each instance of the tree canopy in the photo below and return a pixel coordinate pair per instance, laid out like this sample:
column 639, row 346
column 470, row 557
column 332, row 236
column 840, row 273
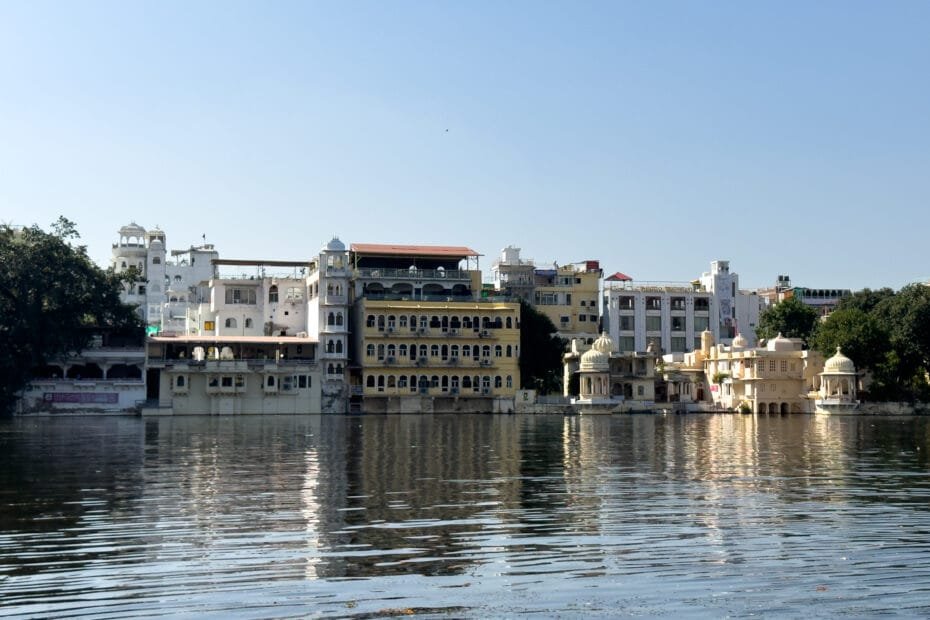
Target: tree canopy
column 791, row 318
column 540, row 351
column 887, row 335
column 52, row 296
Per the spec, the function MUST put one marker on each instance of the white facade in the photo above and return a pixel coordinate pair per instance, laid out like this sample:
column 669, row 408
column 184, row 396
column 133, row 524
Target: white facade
column 328, row 318
column 670, row 315
column 167, row 289
column 737, row 311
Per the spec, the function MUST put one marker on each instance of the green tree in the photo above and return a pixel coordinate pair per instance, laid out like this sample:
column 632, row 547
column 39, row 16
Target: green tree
column 865, row 300
column 790, row 318
column 51, row 296
column 540, row 351
column 859, row 334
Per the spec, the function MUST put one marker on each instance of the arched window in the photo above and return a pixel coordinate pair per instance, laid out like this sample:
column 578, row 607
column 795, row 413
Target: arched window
column 403, row 321
column 402, row 382
column 454, row 350
column 339, row 318
column 270, row 380
column 338, row 346
column 434, row 350
column 434, row 381
column 423, row 350
column 330, row 369
column 498, row 351
column 338, row 369
column 331, row 319
column 486, row 351
column 273, row 294
column 391, row 382
column 380, row 383
column 402, row 350
column 509, row 381
column 381, row 351
column 331, row 346
column 391, row 350
column 248, row 322
column 509, row 322
column 485, row 382
column 329, row 289
column 124, row 265
column 509, row 351
column 370, row 321
column 466, row 382
column 498, row 382
column 466, row 350
column 231, row 323
column 445, row 383
column 370, row 350
column 370, row 381
column 180, row 381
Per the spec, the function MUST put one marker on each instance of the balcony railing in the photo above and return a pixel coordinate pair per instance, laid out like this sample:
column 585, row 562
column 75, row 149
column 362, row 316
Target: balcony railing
column 412, row 274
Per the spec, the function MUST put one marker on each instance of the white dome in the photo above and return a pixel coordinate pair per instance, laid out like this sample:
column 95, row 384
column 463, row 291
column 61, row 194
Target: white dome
column 740, row 342
column 595, row 361
column 603, row 344
column 839, row 364
column 780, row 343
column 132, row 230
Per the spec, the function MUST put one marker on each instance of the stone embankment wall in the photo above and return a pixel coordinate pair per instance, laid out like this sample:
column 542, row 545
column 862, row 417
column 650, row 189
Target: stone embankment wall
column 893, row 409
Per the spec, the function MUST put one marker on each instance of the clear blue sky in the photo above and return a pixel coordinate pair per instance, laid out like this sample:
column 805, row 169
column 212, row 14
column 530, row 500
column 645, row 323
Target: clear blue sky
column 787, row 137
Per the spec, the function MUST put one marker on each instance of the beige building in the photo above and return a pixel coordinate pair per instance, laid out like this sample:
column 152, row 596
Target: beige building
column 599, row 378
column 424, row 338
column 226, row 375
column 778, row 377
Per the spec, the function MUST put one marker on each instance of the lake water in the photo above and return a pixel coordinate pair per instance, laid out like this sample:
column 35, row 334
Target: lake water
column 468, row 516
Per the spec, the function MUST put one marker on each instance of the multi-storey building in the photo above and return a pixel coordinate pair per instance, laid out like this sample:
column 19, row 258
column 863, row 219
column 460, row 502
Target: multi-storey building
column 737, row 310
column 425, row 339
column 824, row 300
column 674, row 314
column 668, row 314
column 271, row 341
column 567, row 294
column 167, row 286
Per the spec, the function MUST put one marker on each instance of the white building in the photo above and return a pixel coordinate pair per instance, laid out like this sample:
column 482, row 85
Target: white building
column 674, row 314
column 167, row 287
column 737, row 311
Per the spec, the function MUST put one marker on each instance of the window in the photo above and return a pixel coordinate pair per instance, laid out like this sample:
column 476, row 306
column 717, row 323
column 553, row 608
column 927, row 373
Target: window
column 209, row 326
column 240, row 381
column 509, row 351
column 701, row 323
column 237, row 295
column 509, row 381
column 771, row 365
column 784, row 365
column 678, row 303
column 370, row 350
column 294, row 293
column 180, row 382
column 498, row 351
column 653, row 323
column 678, row 324
column 640, row 390
column 231, row 323
column 679, row 344
column 498, row 381
column 653, row 303
column 626, row 343
column 702, row 304
column 273, row 294
column 760, row 366
column 583, row 317
column 156, row 260
column 227, row 381
column 370, row 321
column 302, row 382
column 248, row 322
column 627, row 323
column 563, row 319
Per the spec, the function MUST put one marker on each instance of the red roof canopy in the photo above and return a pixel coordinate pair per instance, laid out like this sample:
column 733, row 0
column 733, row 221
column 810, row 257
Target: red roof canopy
column 390, row 249
column 619, row 277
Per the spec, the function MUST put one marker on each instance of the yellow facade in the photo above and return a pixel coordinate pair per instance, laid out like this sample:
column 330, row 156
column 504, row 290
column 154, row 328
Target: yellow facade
column 570, row 299
column 438, row 349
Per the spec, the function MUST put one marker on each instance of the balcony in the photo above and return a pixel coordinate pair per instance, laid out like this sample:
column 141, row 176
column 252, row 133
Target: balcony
column 413, row 275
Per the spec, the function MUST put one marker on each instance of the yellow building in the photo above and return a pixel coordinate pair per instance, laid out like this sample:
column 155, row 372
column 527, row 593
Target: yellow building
column 424, row 339
column 568, row 295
